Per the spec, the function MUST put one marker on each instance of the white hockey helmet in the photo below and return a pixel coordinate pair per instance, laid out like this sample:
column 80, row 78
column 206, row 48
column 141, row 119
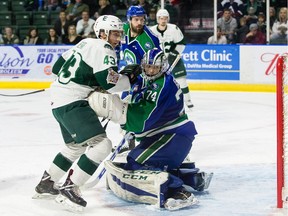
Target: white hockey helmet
column 161, row 13
column 107, row 23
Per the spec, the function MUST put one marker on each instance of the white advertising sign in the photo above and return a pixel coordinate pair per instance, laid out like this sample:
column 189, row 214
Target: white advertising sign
column 28, row 62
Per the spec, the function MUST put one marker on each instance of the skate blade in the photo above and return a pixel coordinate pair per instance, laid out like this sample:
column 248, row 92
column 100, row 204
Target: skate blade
column 45, row 196
column 172, row 204
column 68, row 204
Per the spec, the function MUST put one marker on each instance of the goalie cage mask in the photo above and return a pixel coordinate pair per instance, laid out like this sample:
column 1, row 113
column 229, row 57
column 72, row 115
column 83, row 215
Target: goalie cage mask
column 153, row 58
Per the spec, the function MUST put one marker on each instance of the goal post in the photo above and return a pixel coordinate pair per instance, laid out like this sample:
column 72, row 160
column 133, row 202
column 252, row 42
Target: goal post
column 282, row 130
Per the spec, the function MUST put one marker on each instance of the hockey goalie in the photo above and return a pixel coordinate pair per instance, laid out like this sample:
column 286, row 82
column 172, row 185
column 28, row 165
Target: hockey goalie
column 154, row 172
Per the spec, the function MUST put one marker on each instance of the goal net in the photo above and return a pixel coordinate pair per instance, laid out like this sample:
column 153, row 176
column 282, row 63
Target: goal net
column 282, row 131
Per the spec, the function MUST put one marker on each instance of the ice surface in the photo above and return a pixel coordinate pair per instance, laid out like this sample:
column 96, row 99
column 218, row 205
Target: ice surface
column 236, row 140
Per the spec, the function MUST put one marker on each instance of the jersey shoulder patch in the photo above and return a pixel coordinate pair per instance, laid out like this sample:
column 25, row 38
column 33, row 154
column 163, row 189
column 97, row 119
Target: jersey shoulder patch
column 108, row 46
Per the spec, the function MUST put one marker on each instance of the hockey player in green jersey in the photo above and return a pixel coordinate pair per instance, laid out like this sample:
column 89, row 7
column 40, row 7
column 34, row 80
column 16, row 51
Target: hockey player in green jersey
column 90, row 64
column 172, row 43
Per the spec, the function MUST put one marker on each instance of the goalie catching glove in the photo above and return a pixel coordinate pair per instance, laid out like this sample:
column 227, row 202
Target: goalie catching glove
column 108, row 106
column 132, row 71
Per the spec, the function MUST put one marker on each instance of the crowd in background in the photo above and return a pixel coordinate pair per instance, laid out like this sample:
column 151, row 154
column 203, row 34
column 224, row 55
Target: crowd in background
column 238, row 22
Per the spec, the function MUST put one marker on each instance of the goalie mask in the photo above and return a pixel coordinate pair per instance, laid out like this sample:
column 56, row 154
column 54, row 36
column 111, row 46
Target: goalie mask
column 154, row 64
column 107, row 23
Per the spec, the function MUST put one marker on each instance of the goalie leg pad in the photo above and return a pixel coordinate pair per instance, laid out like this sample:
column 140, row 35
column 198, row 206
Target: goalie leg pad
column 142, row 186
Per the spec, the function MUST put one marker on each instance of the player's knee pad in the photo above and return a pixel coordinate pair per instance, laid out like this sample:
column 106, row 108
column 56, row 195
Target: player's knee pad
column 72, row 151
column 182, row 82
column 99, row 147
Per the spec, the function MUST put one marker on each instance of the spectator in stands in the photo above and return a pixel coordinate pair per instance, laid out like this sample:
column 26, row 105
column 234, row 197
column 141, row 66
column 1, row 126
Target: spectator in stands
column 64, row 3
column 74, row 11
column 242, row 31
column 151, row 19
column 33, row 38
column 145, row 4
column 52, row 38
column 172, row 11
column 258, row 6
column 261, row 22
column 282, row 36
column 278, row 25
column 255, row 36
column 236, row 8
column 61, row 25
column 105, row 9
column 72, row 37
column 53, row 5
column 221, row 39
column 251, row 16
column 84, row 25
column 272, row 17
column 93, row 6
column 228, row 24
column 9, row 38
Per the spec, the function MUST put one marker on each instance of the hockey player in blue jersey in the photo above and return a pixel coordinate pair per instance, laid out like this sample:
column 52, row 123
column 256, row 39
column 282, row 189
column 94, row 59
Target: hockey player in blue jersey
column 138, row 37
column 138, row 40
column 157, row 117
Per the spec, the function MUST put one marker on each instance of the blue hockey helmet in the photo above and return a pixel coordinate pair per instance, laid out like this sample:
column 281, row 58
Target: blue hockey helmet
column 135, row 10
column 154, row 64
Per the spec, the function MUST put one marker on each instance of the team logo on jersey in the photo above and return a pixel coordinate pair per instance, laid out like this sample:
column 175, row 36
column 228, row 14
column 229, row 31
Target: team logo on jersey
column 148, row 45
column 112, row 77
column 154, row 86
column 129, row 57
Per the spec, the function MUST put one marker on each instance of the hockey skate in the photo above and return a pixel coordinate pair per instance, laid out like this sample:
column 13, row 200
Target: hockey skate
column 70, row 197
column 180, row 199
column 46, row 188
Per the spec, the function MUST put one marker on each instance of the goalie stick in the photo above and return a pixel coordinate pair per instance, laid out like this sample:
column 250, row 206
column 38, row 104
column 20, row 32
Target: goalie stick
column 101, row 169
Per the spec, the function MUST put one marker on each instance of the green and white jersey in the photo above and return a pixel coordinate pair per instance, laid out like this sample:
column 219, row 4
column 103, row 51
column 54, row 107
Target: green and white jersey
column 170, row 39
column 89, row 64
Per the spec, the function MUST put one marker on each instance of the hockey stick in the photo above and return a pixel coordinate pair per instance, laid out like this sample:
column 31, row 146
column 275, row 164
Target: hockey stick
column 101, row 169
column 24, row 94
column 171, row 67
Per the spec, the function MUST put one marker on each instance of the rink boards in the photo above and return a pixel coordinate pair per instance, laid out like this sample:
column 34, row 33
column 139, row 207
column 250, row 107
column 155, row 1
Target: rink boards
column 209, row 67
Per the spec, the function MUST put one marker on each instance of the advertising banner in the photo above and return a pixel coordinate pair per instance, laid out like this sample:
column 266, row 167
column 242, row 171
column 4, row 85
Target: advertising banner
column 258, row 63
column 212, row 62
column 28, row 62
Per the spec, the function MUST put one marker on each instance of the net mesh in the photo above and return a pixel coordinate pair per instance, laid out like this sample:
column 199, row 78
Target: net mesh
column 284, row 65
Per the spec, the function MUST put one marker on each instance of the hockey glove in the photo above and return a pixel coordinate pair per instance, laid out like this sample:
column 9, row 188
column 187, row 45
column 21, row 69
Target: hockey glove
column 108, row 106
column 172, row 56
column 132, row 71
